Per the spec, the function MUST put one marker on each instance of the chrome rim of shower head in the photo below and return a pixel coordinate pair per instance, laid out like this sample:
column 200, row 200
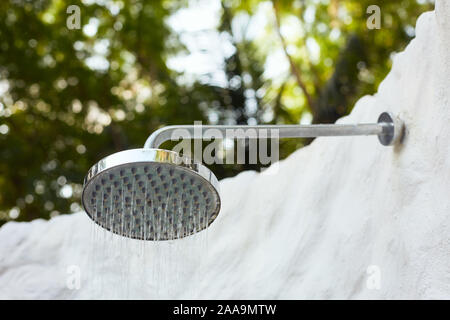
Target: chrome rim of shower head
column 151, row 194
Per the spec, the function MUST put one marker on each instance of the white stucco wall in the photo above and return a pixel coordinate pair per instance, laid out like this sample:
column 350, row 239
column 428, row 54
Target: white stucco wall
column 311, row 230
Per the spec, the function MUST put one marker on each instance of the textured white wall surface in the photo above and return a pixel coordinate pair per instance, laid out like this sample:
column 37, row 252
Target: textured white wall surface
column 342, row 218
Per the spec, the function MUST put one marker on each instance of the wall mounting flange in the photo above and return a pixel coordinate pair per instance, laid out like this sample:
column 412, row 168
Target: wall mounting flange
column 393, row 132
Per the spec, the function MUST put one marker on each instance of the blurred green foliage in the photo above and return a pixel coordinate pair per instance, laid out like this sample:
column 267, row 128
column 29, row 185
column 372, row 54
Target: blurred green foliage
column 59, row 115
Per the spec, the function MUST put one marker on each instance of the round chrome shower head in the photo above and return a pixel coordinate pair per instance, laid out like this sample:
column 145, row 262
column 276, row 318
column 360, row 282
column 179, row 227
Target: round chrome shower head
column 151, row 194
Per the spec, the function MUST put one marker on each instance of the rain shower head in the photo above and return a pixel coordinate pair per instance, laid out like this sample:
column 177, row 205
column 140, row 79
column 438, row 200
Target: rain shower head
column 151, row 194
column 155, row 194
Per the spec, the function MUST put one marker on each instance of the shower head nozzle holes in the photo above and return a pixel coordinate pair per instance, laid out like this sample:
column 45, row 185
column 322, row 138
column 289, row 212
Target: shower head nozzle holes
column 151, row 194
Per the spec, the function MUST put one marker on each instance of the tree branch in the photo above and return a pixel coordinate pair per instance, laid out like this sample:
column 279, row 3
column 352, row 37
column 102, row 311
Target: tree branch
column 295, row 71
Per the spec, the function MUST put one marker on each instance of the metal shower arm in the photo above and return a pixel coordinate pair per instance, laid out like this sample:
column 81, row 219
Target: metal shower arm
column 388, row 129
